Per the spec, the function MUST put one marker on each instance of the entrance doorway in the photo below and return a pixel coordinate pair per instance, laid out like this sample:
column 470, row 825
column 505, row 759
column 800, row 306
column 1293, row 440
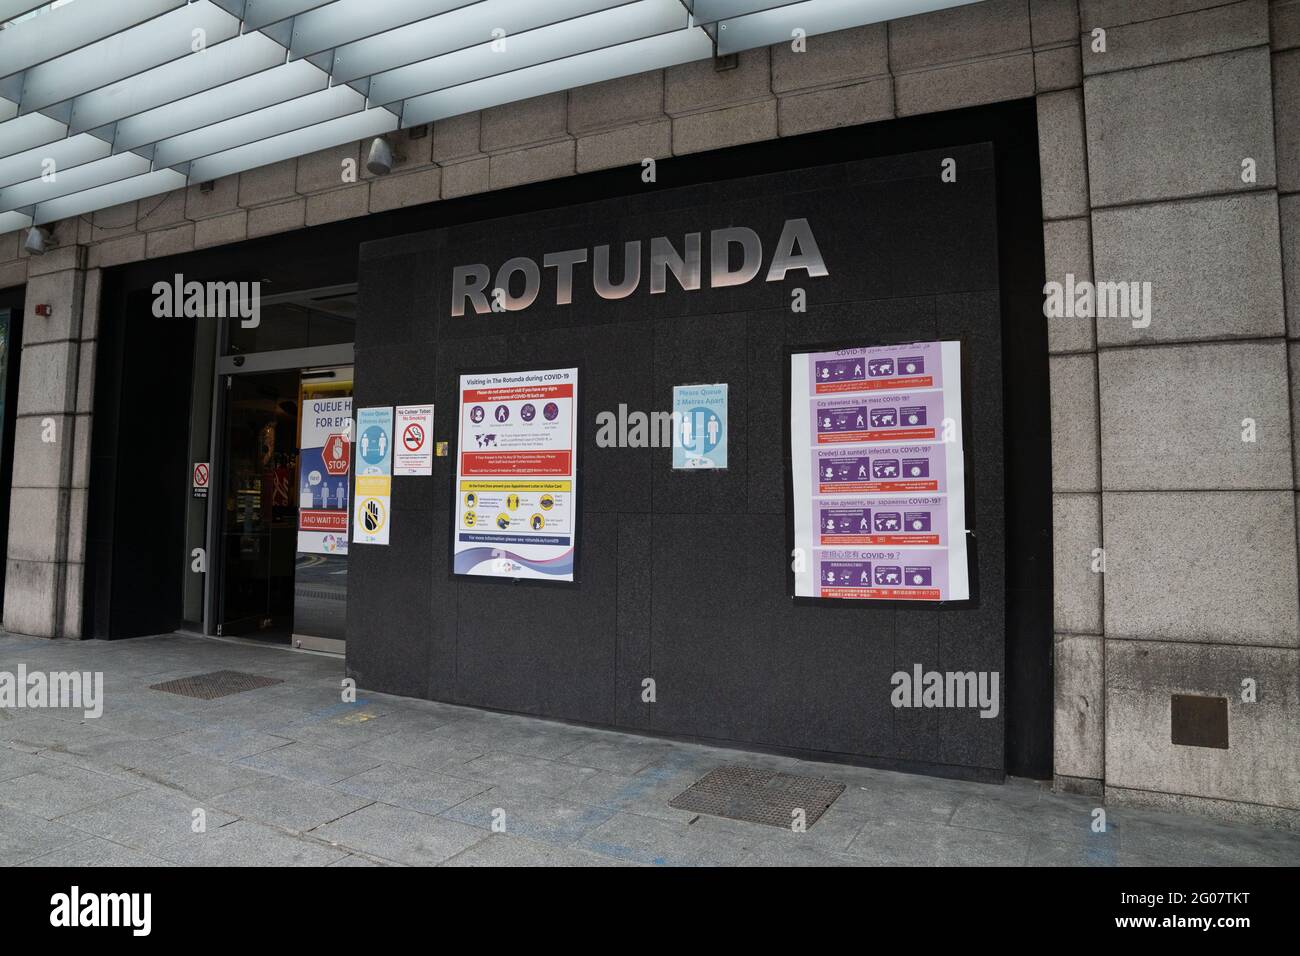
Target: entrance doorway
column 278, row 517
column 259, row 518
column 284, row 507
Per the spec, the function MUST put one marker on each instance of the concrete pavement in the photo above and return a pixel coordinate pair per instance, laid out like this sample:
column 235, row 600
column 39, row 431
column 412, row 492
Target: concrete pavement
column 291, row 775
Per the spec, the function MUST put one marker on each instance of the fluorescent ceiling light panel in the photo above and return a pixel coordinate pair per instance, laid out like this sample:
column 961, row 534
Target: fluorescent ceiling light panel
column 113, row 92
column 161, row 40
column 668, row 49
column 263, row 124
column 404, row 52
column 233, row 60
column 710, row 11
column 28, row 132
column 211, row 107
column 326, row 135
column 111, row 194
column 345, row 21
column 13, row 221
column 69, row 28
column 607, row 28
column 261, row 13
column 16, row 8
column 86, row 176
column 64, row 154
column 813, row 17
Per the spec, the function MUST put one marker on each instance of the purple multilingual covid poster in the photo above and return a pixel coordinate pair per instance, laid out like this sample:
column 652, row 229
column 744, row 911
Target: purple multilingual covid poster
column 878, row 473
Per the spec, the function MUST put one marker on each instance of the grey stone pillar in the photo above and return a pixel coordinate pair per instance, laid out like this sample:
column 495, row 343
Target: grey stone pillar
column 1191, row 152
column 1079, row 724
column 47, row 507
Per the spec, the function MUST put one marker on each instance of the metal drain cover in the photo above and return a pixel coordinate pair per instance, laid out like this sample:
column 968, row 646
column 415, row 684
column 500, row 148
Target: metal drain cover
column 758, row 796
column 216, row 684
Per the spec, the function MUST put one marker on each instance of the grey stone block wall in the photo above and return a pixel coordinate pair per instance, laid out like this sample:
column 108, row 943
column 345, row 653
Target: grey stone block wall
column 1260, row 769
column 1222, row 390
column 1173, row 157
column 45, row 552
column 1192, row 251
column 1190, row 142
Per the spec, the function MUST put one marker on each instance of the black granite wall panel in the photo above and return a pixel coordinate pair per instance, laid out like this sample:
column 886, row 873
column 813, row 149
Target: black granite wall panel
column 682, row 576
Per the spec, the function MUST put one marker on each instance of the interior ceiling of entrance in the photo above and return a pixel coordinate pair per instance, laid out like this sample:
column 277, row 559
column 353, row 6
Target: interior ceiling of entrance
column 104, row 102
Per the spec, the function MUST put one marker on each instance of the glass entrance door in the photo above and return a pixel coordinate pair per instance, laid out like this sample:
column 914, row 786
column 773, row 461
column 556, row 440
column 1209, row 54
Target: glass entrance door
column 278, row 515
column 259, row 519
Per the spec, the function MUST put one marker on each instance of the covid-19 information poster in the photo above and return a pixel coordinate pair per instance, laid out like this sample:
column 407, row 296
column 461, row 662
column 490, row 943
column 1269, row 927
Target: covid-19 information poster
column 324, row 476
column 374, row 502
column 517, row 475
column 878, row 473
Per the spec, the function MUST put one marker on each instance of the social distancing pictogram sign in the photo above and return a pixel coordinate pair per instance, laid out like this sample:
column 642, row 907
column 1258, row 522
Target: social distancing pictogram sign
column 414, row 452
column 373, row 515
column 375, row 453
column 324, row 468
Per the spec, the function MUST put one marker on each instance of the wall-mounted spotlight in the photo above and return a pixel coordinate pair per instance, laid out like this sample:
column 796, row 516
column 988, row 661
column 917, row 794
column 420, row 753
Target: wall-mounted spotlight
column 381, row 158
column 39, row 239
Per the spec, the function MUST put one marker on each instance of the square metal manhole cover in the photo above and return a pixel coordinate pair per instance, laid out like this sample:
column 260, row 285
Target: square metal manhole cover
column 216, row 684
column 758, row 796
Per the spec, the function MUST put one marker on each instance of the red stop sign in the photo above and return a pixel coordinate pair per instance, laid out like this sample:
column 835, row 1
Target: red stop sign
column 337, row 454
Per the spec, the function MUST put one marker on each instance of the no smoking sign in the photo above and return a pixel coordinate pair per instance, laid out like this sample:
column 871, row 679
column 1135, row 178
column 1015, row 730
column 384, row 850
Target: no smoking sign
column 413, row 437
column 414, row 456
column 200, row 477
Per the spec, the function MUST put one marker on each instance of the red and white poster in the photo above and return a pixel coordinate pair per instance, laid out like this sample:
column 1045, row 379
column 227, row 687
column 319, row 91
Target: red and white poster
column 517, row 475
column 413, row 451
column 878, row 473
column 324, row 468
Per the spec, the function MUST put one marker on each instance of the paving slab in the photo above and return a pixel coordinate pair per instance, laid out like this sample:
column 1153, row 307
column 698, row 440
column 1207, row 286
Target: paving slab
column 24, row 837
column 909, row 843
column 343, row 726
column 541, row 776
column 832, row 833
column 18, row 763
column 158, row 823
column 1061, row 819
column 245, row 843
column 291, row 804
column 414, row 788
column 46, row 731
column 117, row 755
column 630, row 838
column 1174, row 840
column 199, row 775
column 500, row 849
column 299, row 761
column 419, row 749
column 97, row 852
column 618, row 754
column 353, row 859
column 902, row 798
column 523, row 811
column 773, row 855
column 403, row 836
column 57, row 789
column 227, row 741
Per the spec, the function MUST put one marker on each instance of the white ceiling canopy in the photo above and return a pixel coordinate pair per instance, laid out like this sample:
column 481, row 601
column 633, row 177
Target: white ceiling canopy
column 108, row 101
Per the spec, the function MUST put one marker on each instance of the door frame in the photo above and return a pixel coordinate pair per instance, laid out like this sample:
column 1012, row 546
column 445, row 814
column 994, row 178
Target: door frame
column 12, row 307
column 227, row 368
